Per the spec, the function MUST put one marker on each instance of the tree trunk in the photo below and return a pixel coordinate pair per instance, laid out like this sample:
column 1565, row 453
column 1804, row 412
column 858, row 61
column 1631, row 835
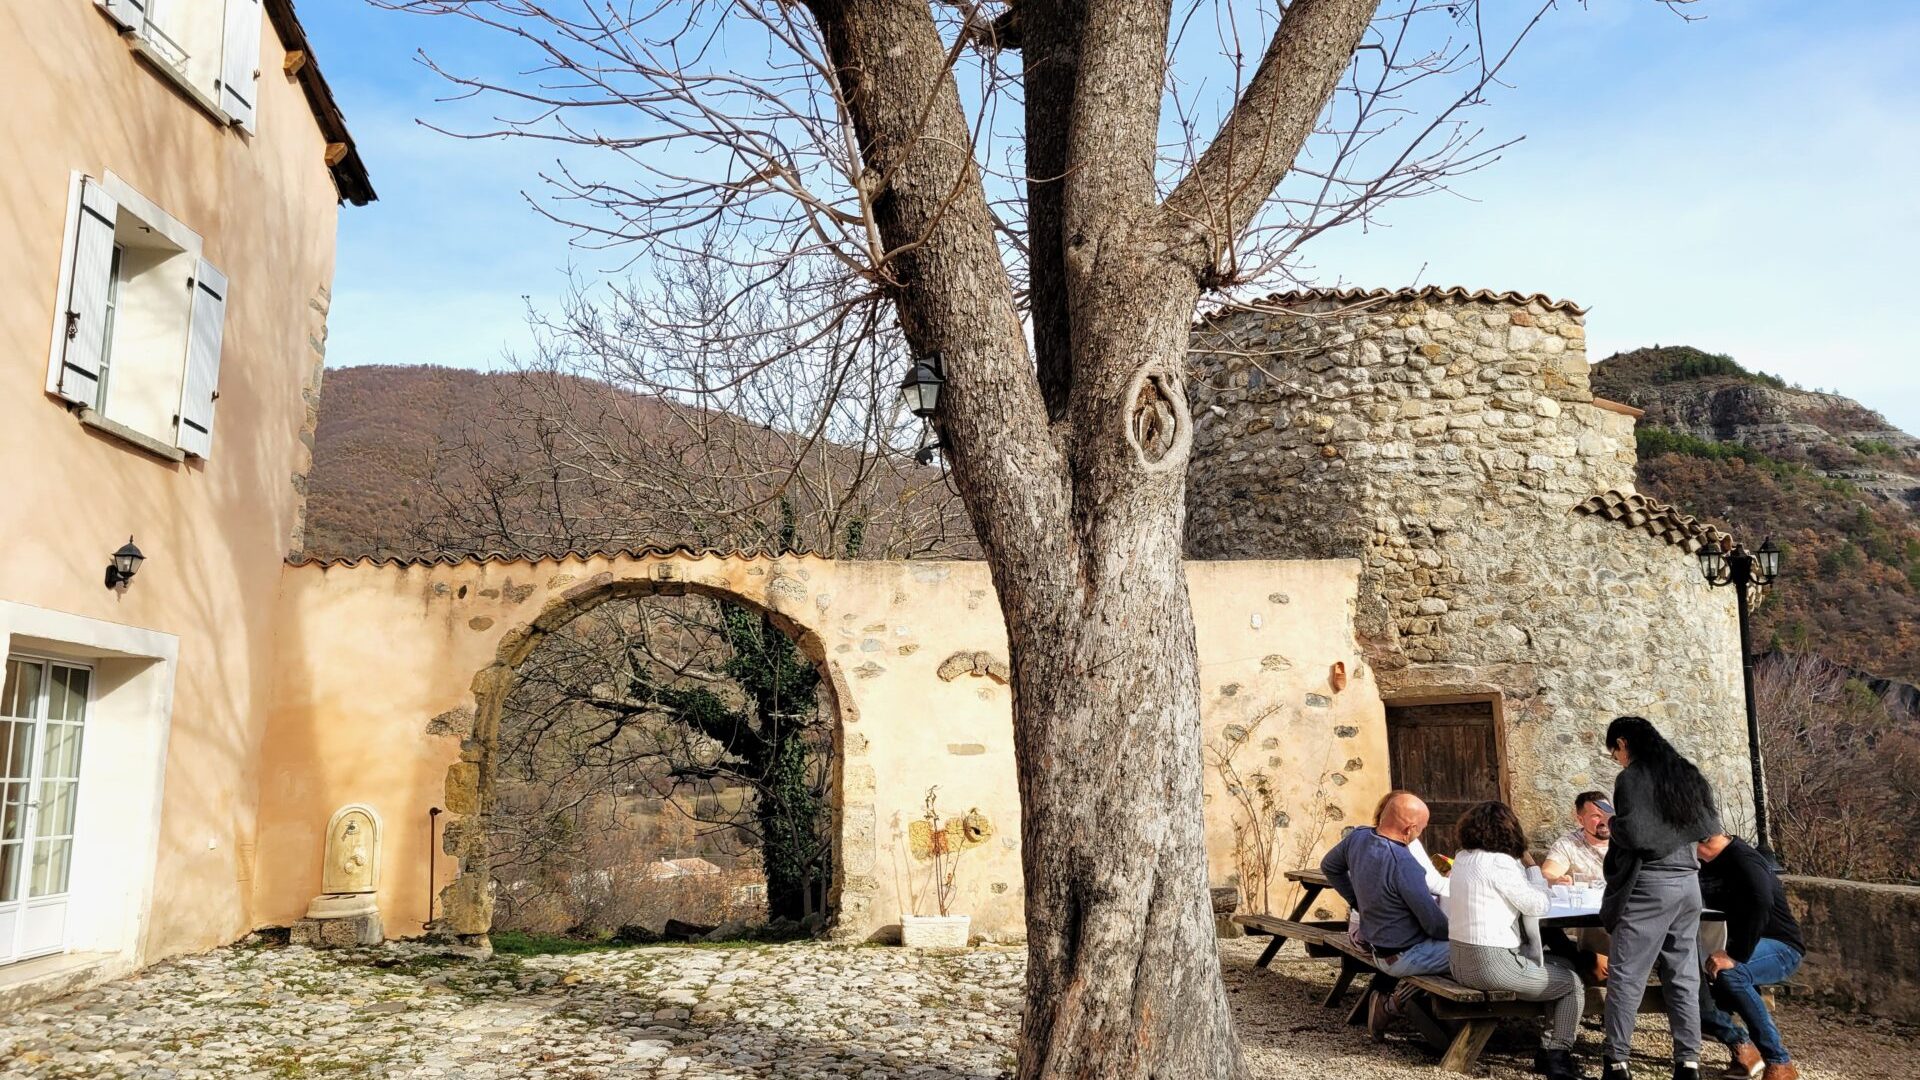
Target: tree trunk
column 786, row 882
column 1123, row 976
column 789, row 819
column 1075, row 479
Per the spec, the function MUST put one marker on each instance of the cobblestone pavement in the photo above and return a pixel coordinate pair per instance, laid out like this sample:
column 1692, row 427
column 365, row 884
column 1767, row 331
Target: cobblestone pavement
column 791, row 1011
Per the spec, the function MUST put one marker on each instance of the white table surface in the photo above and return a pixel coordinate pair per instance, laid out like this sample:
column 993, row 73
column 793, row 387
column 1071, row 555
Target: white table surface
column 1560, row 910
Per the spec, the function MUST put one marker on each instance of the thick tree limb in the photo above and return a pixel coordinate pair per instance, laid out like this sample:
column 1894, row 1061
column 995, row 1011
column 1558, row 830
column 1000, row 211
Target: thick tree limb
column 1113, row 137
column 1050, row 36
column 951, row 288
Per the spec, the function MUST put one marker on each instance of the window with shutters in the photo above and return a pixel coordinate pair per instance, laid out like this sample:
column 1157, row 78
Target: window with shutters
column 211, row 48
column 138, row 333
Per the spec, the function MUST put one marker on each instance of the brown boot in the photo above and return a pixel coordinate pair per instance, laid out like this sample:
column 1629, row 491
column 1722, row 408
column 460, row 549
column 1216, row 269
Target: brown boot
column 1786, row 1070
column 1746, row 1064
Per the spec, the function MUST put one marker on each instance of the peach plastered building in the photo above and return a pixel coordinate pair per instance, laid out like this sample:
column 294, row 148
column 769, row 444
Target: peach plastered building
column 173, row 179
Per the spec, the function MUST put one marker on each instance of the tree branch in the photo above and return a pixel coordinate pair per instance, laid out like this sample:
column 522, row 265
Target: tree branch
column 1050, row 36
column 1258, row 141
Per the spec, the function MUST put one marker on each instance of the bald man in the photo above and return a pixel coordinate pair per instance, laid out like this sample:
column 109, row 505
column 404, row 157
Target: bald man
column 1380, row 878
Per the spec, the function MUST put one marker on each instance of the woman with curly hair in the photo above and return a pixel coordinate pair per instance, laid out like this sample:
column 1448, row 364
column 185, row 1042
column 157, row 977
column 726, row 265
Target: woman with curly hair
column 1662, row 808
column 1494, row 891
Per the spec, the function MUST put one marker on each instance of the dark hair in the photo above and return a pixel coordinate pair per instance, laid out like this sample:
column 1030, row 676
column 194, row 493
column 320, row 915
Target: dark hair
column 1492, row 826
column 1681, row 795
column 1585, row 798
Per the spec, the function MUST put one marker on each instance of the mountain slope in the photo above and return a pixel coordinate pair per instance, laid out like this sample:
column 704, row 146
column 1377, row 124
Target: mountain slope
column 419, row 460
column 373, row 452
column 1833, row 483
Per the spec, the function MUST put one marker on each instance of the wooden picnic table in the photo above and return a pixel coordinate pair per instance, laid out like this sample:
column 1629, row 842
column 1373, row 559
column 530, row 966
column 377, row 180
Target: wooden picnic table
column 1311, row 882
column 1455, row 1019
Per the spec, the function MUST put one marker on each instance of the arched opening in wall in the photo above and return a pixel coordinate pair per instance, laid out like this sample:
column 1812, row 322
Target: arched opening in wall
column 660, row 760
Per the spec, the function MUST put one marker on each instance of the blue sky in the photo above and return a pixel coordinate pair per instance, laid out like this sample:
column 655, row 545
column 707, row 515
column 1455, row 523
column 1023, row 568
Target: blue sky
column 1745, row 183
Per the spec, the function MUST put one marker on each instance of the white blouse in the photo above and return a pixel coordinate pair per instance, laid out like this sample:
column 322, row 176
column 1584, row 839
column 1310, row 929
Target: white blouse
column 1489, row 895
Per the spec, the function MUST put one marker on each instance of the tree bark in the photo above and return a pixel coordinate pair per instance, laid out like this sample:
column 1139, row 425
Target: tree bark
column 1072, row 467
column 1123, row 976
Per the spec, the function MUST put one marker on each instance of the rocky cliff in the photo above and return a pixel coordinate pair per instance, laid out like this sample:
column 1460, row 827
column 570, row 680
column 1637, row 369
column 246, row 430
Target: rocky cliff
column 1827, row 477
column 1711, row 397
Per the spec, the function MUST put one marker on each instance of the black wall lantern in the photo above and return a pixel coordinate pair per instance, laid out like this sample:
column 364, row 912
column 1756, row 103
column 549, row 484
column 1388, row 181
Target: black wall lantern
column 922, row 387
column 126, row 562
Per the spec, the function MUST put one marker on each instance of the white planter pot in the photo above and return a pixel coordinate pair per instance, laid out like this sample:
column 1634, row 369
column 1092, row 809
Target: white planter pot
column 935, row 931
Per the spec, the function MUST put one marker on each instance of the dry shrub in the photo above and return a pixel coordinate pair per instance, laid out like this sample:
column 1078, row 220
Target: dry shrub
column 1843, row 771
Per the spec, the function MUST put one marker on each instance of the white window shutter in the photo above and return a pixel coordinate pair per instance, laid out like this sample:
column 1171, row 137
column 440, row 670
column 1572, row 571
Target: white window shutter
column 240, row 62
column 193, row 432
column 130, row 14
column 83, row 325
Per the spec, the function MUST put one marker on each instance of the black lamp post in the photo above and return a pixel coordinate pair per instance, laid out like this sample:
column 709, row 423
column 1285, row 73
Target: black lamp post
column 1742, row 568
column 921, row 389
column 125, row 563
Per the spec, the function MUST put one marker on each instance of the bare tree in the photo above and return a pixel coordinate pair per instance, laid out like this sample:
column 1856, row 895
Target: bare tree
column 1840, row 771
column 700, row 705
column 629, row 426
column 1002, row 181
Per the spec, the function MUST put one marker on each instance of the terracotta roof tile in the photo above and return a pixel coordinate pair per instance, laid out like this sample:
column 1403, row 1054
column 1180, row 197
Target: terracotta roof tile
column 1656, row 518
column 1454, row 294
column 648, row 551
column 1618, row 407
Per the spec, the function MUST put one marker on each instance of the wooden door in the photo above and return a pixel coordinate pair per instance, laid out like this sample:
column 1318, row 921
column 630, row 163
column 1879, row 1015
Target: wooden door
column 1449, row 755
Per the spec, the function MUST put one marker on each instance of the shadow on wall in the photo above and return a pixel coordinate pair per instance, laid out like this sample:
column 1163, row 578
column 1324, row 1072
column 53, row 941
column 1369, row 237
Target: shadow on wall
column 214, row 529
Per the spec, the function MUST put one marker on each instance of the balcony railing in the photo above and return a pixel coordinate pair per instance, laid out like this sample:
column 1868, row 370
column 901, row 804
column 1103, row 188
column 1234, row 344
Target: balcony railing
column 165, row 49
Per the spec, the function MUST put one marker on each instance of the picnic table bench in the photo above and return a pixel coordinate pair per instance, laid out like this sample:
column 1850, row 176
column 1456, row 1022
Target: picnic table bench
column 1456, row 1019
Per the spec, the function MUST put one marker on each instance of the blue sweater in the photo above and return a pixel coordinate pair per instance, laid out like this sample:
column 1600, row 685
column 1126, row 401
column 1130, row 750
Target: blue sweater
column 1382, row 880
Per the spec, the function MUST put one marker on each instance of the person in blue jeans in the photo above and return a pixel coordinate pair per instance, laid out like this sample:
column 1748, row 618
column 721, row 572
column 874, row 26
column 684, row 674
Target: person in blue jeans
column 1400, row 921
column 1764, row 947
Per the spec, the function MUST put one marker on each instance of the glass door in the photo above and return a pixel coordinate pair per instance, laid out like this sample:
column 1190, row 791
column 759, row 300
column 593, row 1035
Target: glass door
column 43, row 706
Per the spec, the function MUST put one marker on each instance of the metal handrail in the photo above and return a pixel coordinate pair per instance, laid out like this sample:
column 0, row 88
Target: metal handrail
column 165, row 48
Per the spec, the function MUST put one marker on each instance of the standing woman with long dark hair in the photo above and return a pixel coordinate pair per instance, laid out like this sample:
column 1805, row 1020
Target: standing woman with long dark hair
column 1662, row 808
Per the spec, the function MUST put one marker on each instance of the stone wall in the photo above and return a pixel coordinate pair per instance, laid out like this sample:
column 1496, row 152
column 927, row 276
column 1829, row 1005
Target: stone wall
column 1863, row 945
column 390, row 676
column 1446, row 439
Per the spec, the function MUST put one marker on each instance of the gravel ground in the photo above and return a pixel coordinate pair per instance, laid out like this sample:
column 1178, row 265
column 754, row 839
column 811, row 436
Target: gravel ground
column 1287, row 1034
column 790, row 1011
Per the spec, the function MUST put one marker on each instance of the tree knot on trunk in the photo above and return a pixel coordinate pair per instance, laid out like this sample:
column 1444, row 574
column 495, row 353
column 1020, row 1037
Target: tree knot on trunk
column 1158, row 426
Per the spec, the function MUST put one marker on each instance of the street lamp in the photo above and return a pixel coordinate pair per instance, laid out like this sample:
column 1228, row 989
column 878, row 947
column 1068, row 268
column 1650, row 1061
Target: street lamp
column 921, row 389
column 1742, row 568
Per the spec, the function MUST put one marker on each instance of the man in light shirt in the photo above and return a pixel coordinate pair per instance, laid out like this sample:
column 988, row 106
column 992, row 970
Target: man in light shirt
column 1583, row 851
